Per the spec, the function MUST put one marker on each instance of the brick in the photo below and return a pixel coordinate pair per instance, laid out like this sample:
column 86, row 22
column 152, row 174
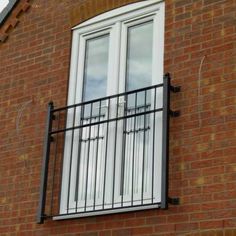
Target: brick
column 211, row 224
column 206, row 2
column 164, row 228
column 186, row 227
column 148, row 230
column 181, row 3
column 105, row 233
column 89, row 234
column 121, row 232
column 230, row 232
column 213, row 233
column 177, row 218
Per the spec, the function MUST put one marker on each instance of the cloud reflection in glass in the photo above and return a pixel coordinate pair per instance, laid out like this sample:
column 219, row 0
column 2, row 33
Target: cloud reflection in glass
column 96, row 68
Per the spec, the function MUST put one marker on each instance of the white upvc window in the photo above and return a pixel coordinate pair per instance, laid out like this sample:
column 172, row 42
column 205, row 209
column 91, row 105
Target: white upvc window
column 116, row 52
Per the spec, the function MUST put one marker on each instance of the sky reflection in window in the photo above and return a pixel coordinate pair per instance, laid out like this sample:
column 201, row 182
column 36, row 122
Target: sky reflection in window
column 139, row 56
column 139, row 61
column 96, row 68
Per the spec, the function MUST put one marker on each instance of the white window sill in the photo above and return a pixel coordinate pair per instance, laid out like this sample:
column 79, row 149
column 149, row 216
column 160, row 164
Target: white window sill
column 105, row 212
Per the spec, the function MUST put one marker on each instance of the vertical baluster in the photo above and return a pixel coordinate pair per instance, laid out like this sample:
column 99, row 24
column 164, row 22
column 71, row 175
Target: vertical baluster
column 114, row 164
column 87, row 165
column 153, row 143
column 138, row 153
column 106, row 148
column 54, row 162
column 101, row 161
column 84, row 151
column 124, row 150
column 144, row 140
column 129, row 157
column 134, row 136
column 71, row 157
column 95, row 179
column 79, row 157
column 63, row 153
column 91, row 159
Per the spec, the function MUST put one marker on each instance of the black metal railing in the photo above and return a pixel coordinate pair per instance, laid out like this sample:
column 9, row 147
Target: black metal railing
column 107, row 155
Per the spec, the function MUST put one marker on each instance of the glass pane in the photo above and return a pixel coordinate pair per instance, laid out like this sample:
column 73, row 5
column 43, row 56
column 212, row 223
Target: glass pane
column 96, row 68
column 139, row 56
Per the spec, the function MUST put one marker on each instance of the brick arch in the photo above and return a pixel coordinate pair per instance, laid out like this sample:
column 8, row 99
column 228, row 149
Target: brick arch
column 91, row 8
column 14, row 18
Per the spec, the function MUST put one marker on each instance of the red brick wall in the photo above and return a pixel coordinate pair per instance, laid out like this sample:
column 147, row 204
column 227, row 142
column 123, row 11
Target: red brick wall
column 200, row 45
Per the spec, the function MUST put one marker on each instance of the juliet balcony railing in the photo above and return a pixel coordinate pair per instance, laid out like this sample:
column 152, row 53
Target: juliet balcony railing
column 107, row 155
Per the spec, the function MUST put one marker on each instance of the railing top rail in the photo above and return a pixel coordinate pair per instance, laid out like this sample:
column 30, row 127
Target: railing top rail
column 107, row 97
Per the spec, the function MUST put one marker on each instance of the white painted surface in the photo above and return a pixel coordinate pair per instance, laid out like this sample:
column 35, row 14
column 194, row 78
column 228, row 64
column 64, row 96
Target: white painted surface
column 3, row 4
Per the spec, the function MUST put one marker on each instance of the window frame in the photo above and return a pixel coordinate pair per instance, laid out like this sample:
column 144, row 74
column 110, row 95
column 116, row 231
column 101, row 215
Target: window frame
column 111, row 22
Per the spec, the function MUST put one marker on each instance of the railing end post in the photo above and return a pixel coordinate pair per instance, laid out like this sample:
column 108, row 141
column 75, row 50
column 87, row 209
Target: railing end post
column 51, row 105
column 39, row 219
column 45, row 164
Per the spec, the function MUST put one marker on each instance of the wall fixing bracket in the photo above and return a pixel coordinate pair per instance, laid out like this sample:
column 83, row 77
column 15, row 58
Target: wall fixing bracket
column 175, row 89
column 174, row 113
column 173, row 201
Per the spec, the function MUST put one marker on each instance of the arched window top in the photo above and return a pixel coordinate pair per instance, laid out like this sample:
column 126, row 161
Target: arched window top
column 129, row 11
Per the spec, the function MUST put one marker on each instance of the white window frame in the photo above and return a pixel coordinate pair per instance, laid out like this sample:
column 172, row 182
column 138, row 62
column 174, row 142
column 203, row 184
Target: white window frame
column 113, row 22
